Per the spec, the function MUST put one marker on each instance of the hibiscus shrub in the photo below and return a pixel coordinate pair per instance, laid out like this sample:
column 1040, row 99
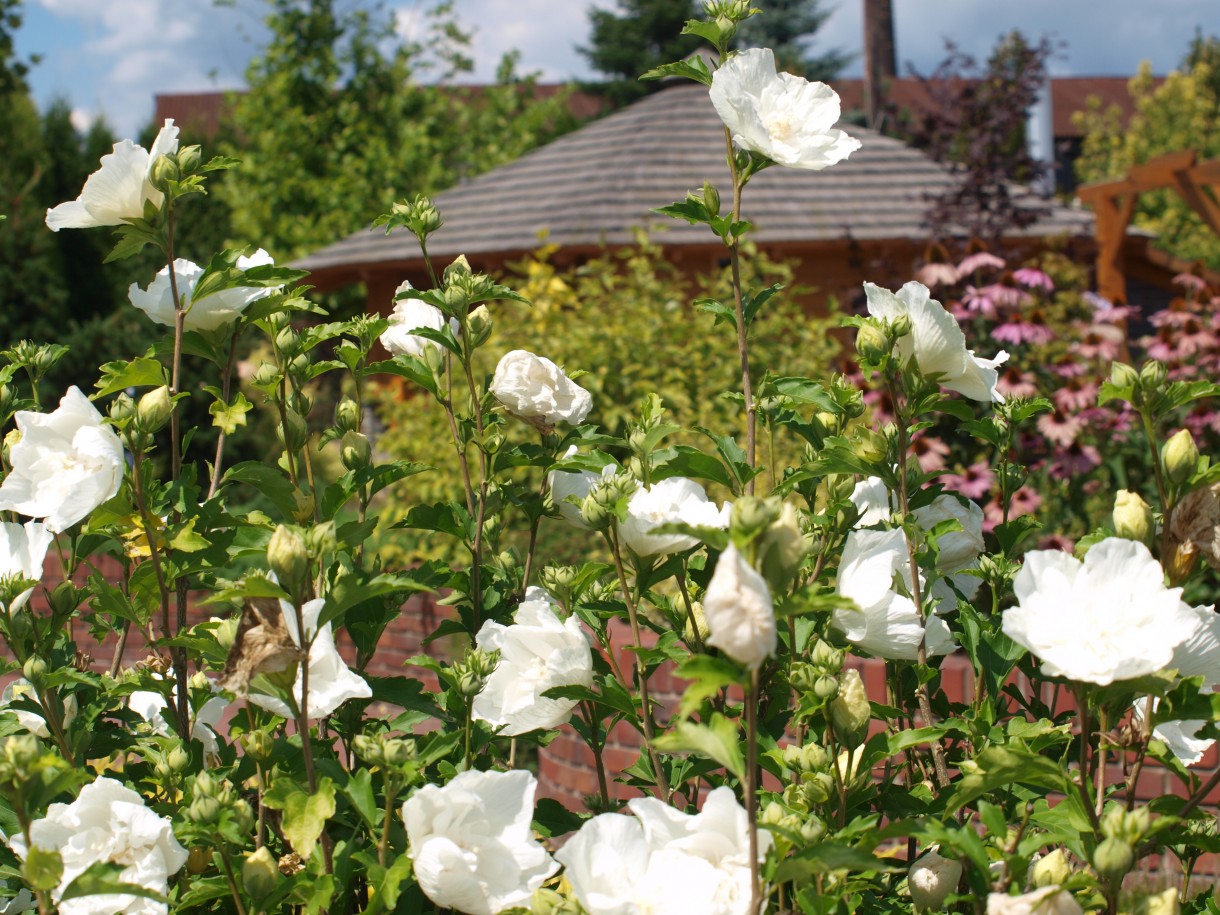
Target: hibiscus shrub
column 244, row 766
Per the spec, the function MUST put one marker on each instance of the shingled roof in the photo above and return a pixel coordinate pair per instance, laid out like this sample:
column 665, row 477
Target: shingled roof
column 597, row 185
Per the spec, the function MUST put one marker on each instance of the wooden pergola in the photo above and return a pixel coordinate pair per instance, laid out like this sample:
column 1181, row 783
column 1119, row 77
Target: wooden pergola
column 1114, row 203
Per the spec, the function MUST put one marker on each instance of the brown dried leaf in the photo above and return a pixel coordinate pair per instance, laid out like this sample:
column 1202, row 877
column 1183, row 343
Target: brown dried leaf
column 263, row 646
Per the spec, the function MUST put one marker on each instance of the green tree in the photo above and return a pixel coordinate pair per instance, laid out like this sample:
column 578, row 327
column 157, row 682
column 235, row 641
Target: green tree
column 1180, row 113
column 336, row 123
column 788, row 28
column 640, row 35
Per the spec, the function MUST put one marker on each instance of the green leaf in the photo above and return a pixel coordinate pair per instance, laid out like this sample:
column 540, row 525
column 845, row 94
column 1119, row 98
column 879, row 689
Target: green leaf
column 754, row 300
column 141, row 372
column 359, row 790
column 717, row 740
column 268, row 481
column 188, row 540
column 408, row 367
column 707, row 675
column 227, row 417
column 103, row 878
column 1012, row 764
column 304, row 814
column 694, row 68
column 826, row 857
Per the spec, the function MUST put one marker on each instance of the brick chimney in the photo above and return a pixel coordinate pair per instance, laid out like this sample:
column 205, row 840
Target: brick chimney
column 880, row 64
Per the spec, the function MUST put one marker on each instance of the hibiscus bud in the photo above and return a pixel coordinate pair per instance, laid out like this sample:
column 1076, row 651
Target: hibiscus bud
column 1051, row 869
column 932, row 878
column 163, row 171
column 369, row 749
column 154, row 410
column 35, row 671
column 479, row 324
column 177, row 759
column 782, row 549
column 355, row 450
column 870, row 446
column 872, row 343
column 203, row 810
column 293, row 431
column 558, row 580
column 267, row 375
column 42, row 868
column 826, row 657
column 470, row 684
column 189, row 159
column 289, row 559
column 1112, row 859
column 850, row 710
column 258, row 745
column 457, row 300
column 774, row 813
column 458, row 268
column 1181, row 563
column 259, row 873
column 1123, row 375
column 347, row 415
column 812, row 830
column 1153, row 375
column 739, row 611
column 751, row 514
column 826, row 687
column 493, row 441
column 242, row 814
column 695, row 629
column 122, row 407
column 399, row 752
column 287, row 341
column 1180, row 456
column 1132, row 516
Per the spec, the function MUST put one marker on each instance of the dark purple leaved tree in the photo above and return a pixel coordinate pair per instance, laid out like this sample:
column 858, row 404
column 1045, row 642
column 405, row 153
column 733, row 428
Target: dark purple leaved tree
column 974, row 122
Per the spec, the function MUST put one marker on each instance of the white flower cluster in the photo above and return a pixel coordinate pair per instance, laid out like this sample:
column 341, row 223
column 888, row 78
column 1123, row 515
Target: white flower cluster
column 664, row 860
column 537, row 652
column 108, row 822
column 213, row 311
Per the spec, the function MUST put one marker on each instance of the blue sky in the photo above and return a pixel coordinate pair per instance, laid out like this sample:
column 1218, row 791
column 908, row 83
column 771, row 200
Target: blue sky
column 109, row 57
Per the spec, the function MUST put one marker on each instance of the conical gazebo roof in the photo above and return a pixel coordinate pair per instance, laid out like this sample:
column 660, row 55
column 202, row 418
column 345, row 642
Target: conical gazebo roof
column 598, row 184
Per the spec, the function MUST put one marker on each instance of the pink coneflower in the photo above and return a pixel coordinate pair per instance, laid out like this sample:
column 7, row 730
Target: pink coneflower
column 933, row 275
column 980, row 260
column 1059, row 427
column 1069, row 368
column 1033, row 278
column 1203, row 418
column 1005, row 293
column 1099, row 341
column 1015, row 383
column 1190, row 282
column 974, row 482
column 1075, row 394
column 1106, row 311
column 1028, row 329
column 1074, row 460
column 930, row 452
column 1057, row 542
column 978, row 302
column 1178, row 313
column 1024, row 501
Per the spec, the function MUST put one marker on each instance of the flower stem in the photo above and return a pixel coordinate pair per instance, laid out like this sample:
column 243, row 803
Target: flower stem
column 921, row 691
column 743, row 348
column 751, row 789
column 226, row 382
column 641, row 669
column 226, row 865
column 383, row 847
